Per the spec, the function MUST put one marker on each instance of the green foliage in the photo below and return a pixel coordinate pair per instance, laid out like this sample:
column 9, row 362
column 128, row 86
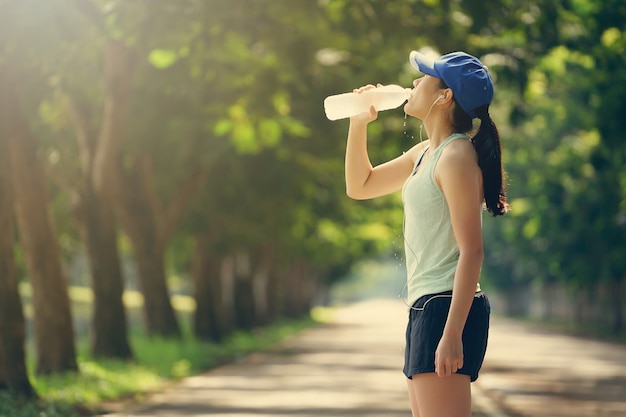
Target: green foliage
column 162, row 58
column 565, row 157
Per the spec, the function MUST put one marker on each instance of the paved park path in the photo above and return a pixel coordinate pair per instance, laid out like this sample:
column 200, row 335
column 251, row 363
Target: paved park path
column 352, row 367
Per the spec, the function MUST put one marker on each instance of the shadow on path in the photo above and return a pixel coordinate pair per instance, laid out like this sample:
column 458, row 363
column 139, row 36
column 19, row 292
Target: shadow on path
column 533, row 372
column 351, row 367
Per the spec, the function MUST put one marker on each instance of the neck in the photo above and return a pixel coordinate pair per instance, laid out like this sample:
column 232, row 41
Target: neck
column 437, row 131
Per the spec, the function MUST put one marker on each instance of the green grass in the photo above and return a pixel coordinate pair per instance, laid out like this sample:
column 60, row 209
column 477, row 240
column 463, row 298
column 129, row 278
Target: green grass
column 16, row 407
column 157, row 363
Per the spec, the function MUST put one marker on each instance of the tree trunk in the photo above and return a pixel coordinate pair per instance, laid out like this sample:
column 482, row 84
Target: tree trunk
column 299, row 289
column 94, row 195
column 617, row 301
column 13, row 375
column 54, row 333
column 293, row 283
column 160, row 317
column 207, row 291
column 261, row 285
column 309, row 289
column 139, row 220
column 306, row 289
column 150, row 225
column 244, row 297
column 277, row 292
column 227, row 283
column 110, row 327
column 260, row 281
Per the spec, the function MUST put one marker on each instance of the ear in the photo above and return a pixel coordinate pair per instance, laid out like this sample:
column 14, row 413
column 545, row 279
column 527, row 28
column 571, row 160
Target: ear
column 448, row 95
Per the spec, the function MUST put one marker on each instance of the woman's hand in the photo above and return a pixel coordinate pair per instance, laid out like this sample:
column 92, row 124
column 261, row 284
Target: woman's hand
column 365, row 117
column 449, row 355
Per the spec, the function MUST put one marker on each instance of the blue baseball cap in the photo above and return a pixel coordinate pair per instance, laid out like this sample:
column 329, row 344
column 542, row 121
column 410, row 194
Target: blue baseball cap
column 463, row 73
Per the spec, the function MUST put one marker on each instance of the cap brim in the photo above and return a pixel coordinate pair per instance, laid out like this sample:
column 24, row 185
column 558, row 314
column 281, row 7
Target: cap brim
column 423, row 64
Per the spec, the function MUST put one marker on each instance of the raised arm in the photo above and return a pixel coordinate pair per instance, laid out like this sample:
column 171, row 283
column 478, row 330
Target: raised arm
column 363, row 181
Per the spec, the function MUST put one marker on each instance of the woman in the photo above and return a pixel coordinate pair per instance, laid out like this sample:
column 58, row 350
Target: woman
column 445, row 181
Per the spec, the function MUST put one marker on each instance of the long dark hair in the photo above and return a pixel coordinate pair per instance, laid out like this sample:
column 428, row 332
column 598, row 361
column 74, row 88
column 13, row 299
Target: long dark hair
column 487, row 144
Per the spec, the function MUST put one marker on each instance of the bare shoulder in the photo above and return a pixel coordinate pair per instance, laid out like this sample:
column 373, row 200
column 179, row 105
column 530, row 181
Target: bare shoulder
column 457, row 171
column 459, row 153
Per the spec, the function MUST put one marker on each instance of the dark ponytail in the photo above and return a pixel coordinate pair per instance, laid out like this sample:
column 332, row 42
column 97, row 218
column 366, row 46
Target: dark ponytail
column 486, row 141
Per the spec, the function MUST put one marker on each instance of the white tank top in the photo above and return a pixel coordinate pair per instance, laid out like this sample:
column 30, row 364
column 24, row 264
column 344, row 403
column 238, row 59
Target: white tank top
column 431, row 250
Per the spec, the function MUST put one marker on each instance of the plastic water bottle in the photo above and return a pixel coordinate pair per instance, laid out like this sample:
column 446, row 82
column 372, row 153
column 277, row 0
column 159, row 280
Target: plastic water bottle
column 382, row 98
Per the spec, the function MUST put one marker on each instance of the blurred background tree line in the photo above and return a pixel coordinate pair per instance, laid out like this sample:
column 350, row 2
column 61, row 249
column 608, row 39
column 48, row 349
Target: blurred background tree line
column 188, row 139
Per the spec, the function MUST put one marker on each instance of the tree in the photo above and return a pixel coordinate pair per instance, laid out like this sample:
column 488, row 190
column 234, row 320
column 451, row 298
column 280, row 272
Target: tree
column 47, row 108
column 106, row 188
column 52, row 316
column 13, row 374
column 565, row 155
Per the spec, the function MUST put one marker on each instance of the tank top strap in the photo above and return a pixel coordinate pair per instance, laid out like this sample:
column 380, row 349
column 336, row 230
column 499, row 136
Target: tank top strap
column 449, row 139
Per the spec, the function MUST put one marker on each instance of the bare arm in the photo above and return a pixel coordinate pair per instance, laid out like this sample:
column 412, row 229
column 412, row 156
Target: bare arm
column 460, row 179
column 364, row 181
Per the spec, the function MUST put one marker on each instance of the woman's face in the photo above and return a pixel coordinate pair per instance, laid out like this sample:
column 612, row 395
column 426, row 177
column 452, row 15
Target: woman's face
column 424, row 94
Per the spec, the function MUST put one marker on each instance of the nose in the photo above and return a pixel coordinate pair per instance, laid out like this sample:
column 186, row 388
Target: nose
column 416, row 82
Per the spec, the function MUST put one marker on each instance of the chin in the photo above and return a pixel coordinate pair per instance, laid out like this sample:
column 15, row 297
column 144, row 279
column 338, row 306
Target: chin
column 408, row 111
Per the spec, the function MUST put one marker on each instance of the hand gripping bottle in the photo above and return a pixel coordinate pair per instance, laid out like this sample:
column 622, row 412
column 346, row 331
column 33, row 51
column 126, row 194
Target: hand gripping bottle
column 382, row 98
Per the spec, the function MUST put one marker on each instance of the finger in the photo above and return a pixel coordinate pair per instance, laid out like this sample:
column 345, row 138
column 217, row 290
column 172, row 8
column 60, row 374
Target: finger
column 442, row 370
column 364, row 88
column 439, row 366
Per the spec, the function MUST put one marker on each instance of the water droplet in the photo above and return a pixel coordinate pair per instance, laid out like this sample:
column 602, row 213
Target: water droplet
column 406, row 133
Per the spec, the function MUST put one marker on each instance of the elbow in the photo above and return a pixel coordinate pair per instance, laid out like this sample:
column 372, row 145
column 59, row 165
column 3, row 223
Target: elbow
column 350, row 193
column 476, row 254
column 479, row 254
column 356, row 179
column 354, row 194
column 356, row 189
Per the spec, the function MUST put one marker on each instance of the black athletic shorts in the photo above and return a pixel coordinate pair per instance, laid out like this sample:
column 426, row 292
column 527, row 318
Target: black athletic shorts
column 427, row 319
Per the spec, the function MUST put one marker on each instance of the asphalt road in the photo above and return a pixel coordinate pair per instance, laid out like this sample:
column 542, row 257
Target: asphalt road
column 534, row 372
column 352, row 367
